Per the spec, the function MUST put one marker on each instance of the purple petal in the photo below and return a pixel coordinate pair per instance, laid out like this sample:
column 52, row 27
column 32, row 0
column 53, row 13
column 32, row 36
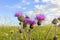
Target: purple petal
column 40, row 17
column 18, row 14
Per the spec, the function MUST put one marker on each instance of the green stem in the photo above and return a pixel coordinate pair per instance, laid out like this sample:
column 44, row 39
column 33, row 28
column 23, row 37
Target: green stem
column 55, row 36
column 28, row 34
column 48, row 33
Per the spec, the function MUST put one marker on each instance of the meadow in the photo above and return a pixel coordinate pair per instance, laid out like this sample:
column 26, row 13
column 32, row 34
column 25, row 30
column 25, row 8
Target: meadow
column 38, row 33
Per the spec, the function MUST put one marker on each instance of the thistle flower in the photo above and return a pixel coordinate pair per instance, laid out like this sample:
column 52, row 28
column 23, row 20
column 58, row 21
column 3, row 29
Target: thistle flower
column 31, row 22
column 40, row 17
column 55, row 21
column 20, row 16
column 17, row 14
column 25, row 21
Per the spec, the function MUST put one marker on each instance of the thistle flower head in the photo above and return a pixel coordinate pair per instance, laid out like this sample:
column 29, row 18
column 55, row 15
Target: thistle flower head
column 20, row 16
column 25, row 22
column 31, row 22
column 55, row 21
column 17, row 14
column 26, row 19
column 40, row 17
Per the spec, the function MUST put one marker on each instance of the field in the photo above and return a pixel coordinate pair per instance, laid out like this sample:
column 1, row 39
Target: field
column 38, row 33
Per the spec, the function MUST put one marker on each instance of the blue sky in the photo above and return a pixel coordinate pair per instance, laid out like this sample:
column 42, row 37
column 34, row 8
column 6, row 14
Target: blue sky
column 28, row 7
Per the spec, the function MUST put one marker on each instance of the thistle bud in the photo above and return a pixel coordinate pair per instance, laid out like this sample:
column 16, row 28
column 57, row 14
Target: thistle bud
column 21, row 18
column 55, row 21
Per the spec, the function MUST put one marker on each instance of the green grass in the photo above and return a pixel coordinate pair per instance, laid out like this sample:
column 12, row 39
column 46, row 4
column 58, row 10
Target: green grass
column 38, row 33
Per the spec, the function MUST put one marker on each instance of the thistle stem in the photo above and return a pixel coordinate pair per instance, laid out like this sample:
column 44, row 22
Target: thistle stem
column 48, row 32
column 55, row 36
column 28, row 34
column 21, row 38
column 20, row 30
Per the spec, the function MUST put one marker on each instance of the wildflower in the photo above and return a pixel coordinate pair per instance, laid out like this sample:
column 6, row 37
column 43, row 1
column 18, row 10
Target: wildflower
column 20, row 16
column 31, row 22
column 40, row 17
column 25, row 21
column 55, row 21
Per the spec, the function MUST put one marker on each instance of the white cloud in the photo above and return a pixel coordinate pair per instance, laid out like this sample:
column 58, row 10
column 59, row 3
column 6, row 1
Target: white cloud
column 55, row 2
column 14, row 6
column 45, row 0
column 24, row 1
column 36, row 1
column 39, row 6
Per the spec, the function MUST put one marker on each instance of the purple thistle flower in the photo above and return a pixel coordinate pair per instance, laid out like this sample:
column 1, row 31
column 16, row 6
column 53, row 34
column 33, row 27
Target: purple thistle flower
column 20, row 16
column 25, row 21
column 40, row 17
column 31, row 22
column 17, row 14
